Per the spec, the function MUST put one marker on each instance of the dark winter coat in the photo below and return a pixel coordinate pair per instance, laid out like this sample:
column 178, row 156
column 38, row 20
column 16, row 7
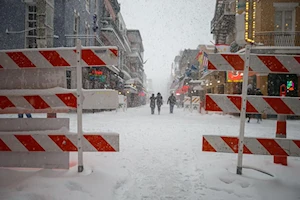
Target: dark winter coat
column 258, row 92
column 172, row 100
column 159, row 100
column 250, row 91
column 152, row 102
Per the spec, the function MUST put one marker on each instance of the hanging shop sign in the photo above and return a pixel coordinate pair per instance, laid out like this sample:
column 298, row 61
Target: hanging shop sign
column 97, row 75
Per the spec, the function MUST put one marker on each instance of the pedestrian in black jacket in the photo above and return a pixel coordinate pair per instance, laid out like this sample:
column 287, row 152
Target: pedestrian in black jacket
column 159, row 101
column 152, row 103
column 172, row 102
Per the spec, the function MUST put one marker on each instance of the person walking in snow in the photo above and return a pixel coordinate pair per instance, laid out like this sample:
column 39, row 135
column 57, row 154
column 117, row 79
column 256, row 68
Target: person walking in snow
column 152, row 103
column 172, row 102
column 159, row 101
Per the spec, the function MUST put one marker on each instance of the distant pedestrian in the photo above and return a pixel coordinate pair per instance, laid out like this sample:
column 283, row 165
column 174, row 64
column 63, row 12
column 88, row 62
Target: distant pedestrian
column 28, row 115
column 159, row 101
column 172, row 102
column 152, row 103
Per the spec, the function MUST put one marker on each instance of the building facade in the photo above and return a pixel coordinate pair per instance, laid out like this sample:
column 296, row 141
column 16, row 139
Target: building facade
column 273, row 26
column 269, row 24
column 49, row 23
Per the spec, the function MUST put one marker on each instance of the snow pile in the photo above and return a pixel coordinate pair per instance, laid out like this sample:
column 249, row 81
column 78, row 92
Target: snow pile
column 160, row 158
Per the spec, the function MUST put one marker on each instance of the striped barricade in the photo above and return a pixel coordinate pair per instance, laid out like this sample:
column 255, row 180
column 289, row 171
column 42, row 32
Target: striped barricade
column 50, row 150
column 258, row 146
column 58, row 142
column 259, row 63
column 196, row 102
column 186, row 102
column 255, row 104
column 55, row 100
column 57, row 57
column 122, row 102
column 47, row 142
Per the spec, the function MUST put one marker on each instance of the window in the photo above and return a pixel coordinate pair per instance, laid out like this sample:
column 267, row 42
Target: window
column 87, row 5
column 284, row 20
column 31, row 24
column 284, row 24
column 285, row 16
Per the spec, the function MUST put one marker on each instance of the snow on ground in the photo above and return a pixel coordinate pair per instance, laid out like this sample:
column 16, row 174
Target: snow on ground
column 160, row 158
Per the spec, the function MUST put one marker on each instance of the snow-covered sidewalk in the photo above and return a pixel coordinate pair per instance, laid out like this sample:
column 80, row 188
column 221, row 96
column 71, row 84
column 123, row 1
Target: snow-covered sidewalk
column 160, row 158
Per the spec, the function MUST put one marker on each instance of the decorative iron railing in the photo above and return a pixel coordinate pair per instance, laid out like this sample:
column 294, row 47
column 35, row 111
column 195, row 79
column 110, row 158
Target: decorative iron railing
column 273, row 38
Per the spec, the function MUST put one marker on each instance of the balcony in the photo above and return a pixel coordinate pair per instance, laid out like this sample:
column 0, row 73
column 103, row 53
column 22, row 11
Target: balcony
column 138, row 77
column 126, row 68
column 113, row 36
column 272, row 38
column 137, row 55
column 126, row 72
column 224, row 19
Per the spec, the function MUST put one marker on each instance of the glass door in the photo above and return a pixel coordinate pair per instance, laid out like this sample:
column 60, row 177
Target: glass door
column 284, row 28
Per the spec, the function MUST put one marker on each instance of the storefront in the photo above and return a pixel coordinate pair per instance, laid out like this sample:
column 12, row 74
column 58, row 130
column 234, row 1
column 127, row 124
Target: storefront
column 101, row 78
column 289, row 80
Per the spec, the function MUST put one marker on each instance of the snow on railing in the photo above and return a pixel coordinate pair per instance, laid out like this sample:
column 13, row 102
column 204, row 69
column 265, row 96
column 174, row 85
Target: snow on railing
column 275, row 38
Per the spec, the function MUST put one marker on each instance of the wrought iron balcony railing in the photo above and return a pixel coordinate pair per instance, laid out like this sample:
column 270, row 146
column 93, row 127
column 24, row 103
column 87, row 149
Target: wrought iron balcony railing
column 222, row 10
column 274, row 38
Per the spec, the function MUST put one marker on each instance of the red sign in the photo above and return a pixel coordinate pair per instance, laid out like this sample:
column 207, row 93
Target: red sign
column 235, row 76
column 96, row 72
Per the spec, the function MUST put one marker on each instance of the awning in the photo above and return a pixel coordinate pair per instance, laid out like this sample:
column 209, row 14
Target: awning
column 198, row 87
column 184, row 89
column 197, row 81
column 133, row 81
column 138, row 80
column 130, row 89
column 130, row 81
column 142, row 94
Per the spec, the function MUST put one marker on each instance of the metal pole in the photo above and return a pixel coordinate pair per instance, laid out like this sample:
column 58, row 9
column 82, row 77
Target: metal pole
column 79, row 105
column 243, row 110
column 281, row 129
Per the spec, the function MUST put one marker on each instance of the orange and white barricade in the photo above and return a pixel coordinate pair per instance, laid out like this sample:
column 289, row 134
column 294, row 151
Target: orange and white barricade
column 281, row 106
column 196, row 103
column 46, row 143
column 122, row 102
column 186, row 103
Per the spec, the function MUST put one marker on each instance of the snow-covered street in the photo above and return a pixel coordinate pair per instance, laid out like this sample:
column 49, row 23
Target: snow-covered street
column 160, row 158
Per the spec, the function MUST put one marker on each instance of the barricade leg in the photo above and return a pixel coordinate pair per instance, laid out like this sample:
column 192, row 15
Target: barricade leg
column 281, row 133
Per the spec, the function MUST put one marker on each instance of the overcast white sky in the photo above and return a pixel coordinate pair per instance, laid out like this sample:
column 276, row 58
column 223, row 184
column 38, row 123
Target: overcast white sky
column 168, row 26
